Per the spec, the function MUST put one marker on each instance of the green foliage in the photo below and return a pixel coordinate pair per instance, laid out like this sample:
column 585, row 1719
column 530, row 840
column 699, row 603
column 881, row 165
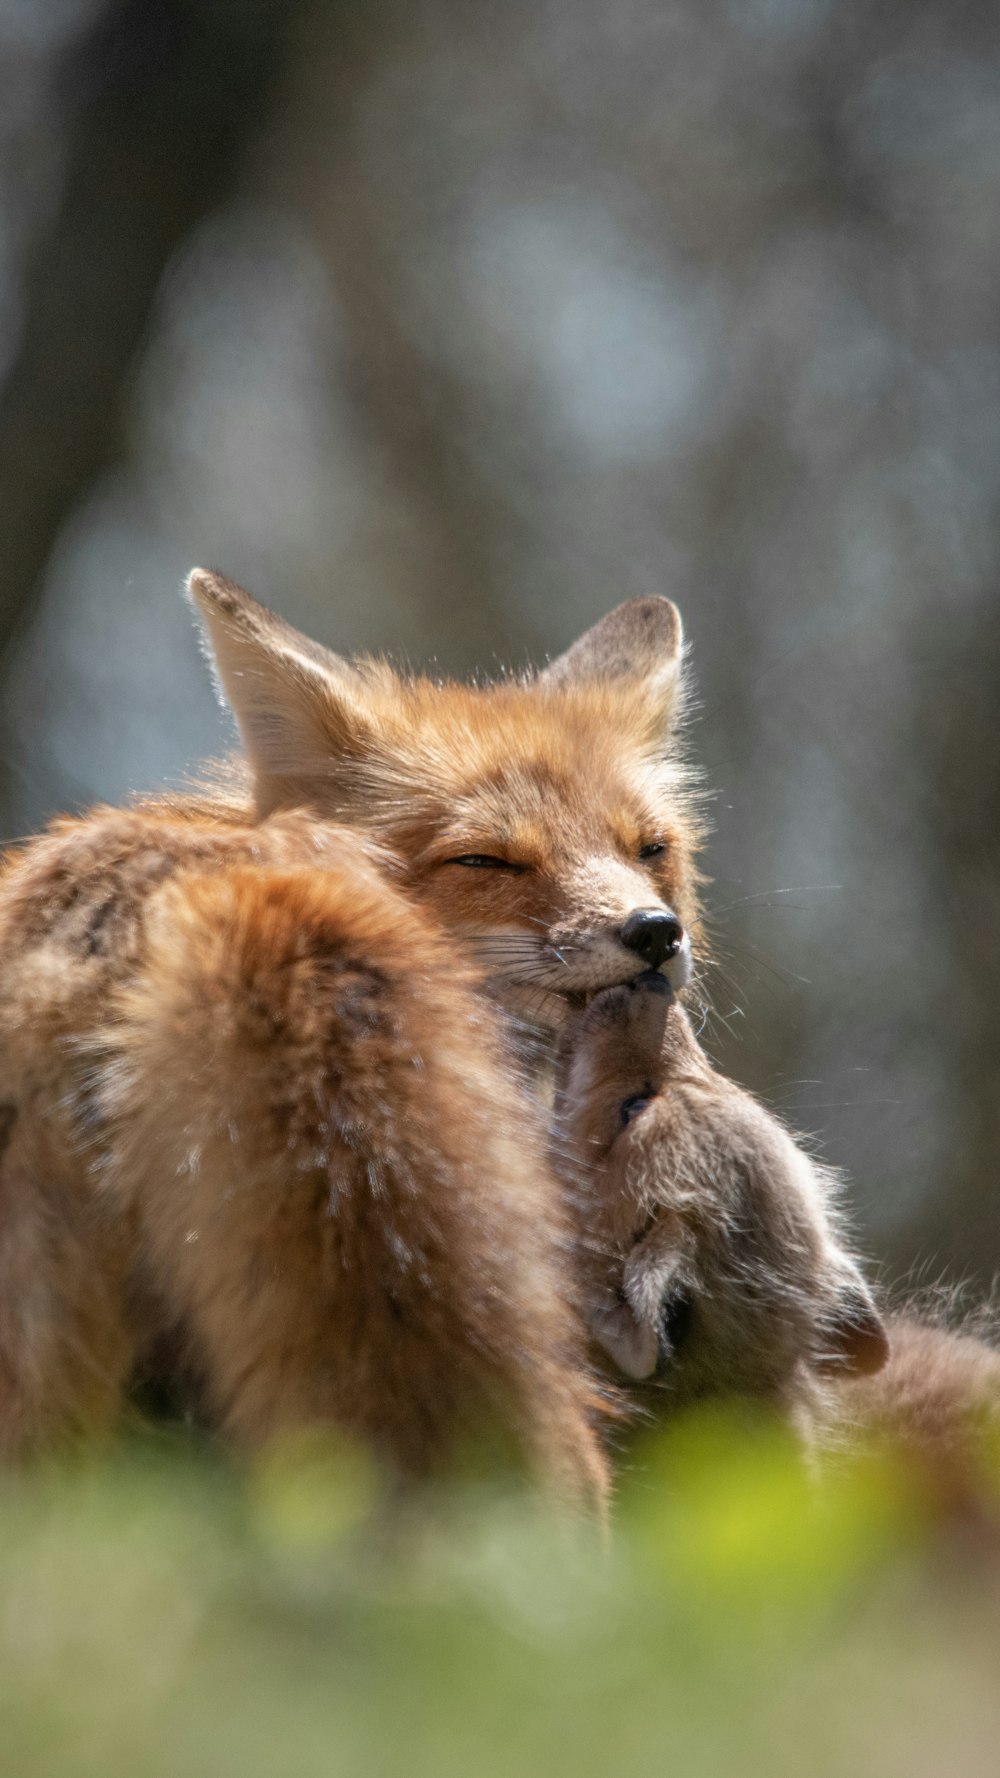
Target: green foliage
column 161, row 1614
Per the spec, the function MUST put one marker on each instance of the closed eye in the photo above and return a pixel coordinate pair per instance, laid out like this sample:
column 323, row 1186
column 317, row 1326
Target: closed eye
column 485, row 861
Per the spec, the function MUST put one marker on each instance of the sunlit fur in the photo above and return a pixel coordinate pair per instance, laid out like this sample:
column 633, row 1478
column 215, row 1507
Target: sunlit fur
column 258, row 1125
column 566, row 777
column 568, row 784
column 257, row 1117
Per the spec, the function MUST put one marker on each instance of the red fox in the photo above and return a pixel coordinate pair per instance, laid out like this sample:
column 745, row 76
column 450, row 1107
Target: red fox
column 258, row 1104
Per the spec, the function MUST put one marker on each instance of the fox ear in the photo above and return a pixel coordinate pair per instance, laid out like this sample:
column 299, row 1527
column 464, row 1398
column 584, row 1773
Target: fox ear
column 299, row 706
column 855, row 1342
column 640, row 642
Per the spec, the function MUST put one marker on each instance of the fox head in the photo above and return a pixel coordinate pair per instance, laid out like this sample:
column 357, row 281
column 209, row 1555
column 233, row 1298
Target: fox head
column 546, row 820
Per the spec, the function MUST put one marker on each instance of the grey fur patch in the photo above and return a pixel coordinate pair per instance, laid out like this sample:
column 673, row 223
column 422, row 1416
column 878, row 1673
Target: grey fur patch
column 632, row 641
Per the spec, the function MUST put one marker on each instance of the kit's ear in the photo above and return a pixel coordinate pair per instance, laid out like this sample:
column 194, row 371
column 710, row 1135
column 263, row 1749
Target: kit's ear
column 639, row 644
column 855, row 1341
column 631, row 1345
column 300, row 708
column 647, row 1328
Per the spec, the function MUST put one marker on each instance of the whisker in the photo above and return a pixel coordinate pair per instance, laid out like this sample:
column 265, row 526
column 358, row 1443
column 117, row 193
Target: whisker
column 762, row 897
column 739, row 951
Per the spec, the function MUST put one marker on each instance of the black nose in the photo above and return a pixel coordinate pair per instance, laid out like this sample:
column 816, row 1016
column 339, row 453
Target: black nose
column 653, row 934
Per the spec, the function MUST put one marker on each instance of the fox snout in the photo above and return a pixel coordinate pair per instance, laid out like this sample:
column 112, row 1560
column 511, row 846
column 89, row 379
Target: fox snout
column 658, row 937
column 655, row 934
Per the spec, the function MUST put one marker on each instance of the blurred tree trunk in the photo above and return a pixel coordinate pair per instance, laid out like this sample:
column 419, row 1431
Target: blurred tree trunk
column 161, row 101
column 423, row 414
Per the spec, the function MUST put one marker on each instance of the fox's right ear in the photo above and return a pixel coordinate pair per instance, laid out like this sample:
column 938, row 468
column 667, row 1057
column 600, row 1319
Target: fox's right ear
column 640, row 643
column 299, row 707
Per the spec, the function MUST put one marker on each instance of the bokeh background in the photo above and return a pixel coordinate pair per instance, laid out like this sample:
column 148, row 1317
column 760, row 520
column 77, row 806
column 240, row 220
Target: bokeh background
column 445, row 327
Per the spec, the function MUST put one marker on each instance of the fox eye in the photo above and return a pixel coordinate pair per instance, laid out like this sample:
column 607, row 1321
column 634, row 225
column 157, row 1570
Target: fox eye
column 653, row 850
column 485, row 861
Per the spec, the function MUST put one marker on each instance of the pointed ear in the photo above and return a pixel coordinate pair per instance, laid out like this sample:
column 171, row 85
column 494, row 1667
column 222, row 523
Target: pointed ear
column 639, row 643
column 855, row 1342
column 299, row 707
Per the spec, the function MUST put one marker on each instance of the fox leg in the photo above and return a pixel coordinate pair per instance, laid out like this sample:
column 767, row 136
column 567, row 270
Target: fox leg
column 340, row 1193
column 66, row 1344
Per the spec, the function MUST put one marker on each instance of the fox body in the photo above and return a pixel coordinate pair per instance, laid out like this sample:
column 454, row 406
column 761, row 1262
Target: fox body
column 259, row 1107
column 257, row 1110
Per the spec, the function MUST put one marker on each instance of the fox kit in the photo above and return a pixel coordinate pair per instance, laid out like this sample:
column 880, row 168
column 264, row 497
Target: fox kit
column 710, row 1250
column 711, row 1261
column 256, row 1107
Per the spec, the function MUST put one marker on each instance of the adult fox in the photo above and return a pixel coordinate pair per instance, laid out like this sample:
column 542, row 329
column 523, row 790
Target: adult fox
column 255, row 1101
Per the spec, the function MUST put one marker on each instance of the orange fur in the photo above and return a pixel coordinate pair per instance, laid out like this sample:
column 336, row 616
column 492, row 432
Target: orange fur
column 261, row 1113
column 278, row 1124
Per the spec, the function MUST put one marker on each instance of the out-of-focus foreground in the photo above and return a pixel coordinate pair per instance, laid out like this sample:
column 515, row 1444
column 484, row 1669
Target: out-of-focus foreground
column 445, row 328
column 156, row 1619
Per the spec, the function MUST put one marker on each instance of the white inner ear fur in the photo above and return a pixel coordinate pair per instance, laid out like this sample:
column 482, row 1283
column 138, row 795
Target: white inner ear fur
column 641, row 643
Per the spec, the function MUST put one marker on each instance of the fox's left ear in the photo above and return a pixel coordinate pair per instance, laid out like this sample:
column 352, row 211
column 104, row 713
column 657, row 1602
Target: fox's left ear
column 640, row 643
column 301, row 709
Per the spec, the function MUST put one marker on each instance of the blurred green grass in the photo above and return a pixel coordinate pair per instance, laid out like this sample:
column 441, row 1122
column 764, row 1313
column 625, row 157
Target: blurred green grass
column 162, row 1613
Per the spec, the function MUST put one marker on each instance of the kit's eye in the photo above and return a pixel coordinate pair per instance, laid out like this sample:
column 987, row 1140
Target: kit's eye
column 485, row 861
column 631, row 1107
column 655, row 849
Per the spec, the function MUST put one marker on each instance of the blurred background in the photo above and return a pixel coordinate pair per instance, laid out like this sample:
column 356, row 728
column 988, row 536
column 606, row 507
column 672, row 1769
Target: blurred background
column 445, row 327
